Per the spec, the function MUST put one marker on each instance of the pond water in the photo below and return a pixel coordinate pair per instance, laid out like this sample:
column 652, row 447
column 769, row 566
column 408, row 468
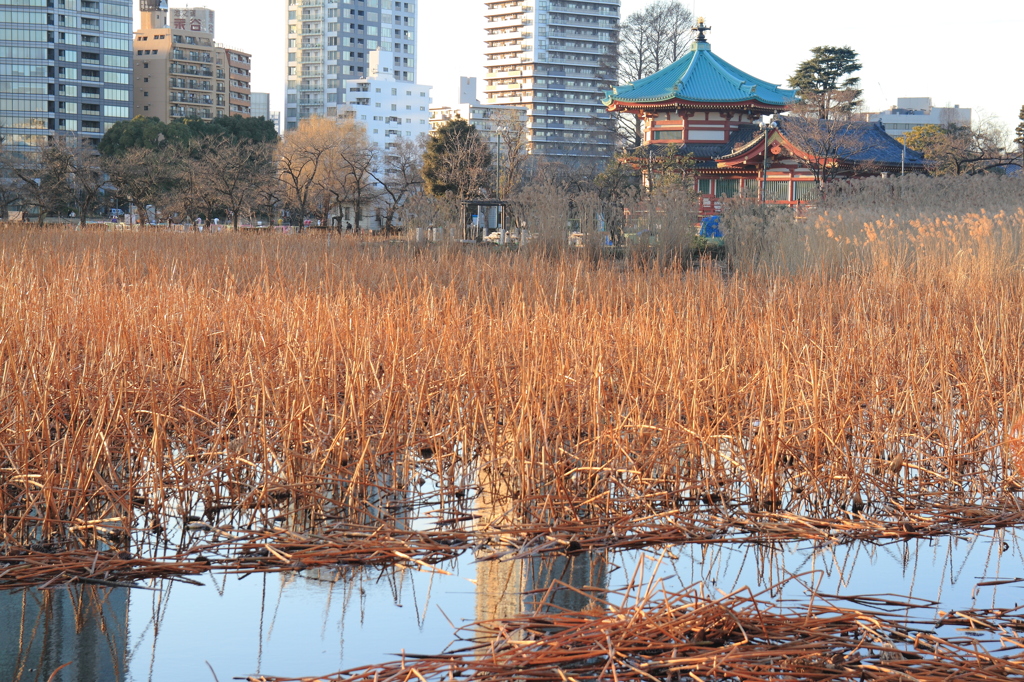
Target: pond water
column 318, row 622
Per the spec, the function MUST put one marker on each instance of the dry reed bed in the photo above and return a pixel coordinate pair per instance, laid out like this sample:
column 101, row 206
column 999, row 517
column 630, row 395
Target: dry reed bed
column 148, row 381
column 670, row 636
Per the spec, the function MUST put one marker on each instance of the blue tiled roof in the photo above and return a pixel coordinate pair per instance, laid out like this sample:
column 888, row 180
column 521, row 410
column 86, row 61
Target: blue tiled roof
column 701, row 76
column 854, row 141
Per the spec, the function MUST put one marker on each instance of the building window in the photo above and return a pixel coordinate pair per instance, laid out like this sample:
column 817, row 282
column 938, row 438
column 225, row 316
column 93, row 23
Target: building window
column 727, row 187
column 776, row 190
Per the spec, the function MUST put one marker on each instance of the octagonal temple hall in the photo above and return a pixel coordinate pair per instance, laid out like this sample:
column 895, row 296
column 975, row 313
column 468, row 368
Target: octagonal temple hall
column 704, row 106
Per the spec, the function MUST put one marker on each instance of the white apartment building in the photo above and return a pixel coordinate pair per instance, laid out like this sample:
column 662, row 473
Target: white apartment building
column 330, row 41
column 481, row 116
column 389, row 108
column 555, row 58
column 913, row 112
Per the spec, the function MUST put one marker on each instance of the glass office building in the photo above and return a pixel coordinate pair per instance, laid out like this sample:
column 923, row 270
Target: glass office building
column 65, row 68
column 330, row 41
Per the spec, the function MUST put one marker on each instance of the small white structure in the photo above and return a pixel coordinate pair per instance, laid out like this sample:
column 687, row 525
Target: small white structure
column 389, row 108
column 914, row 112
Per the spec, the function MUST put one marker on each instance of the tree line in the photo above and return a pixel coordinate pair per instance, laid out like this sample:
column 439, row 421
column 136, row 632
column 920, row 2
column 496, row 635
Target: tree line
column 326, row 173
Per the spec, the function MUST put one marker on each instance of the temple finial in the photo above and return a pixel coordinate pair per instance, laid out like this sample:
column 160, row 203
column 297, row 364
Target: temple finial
column 700, row 29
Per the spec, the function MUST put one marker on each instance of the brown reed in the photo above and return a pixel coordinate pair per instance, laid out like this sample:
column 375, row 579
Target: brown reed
column 149, row 381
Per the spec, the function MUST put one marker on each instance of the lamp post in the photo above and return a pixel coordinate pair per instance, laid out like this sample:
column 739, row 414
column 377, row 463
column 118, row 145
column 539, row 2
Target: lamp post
column 501, row 206
column 767, row 127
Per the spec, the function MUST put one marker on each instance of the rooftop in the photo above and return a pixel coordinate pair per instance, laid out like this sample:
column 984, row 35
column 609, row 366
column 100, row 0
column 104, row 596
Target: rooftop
column 701, row 77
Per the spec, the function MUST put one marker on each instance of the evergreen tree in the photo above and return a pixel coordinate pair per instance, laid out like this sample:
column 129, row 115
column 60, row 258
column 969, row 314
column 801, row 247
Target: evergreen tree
column 1020, row 131
column 152, row 133
column 828, row 88
column 457, row 160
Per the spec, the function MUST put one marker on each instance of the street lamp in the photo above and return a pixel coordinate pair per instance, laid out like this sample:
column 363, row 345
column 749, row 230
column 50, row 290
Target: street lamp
column 501, row 212
column 766, row 127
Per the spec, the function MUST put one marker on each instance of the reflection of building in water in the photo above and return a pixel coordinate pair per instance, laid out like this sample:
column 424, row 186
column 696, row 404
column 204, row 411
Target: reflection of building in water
column 508, row 588
column 41, row 630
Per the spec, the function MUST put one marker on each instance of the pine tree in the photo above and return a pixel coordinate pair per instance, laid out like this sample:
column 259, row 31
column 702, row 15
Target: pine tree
column 827, row 85
column 457, row 160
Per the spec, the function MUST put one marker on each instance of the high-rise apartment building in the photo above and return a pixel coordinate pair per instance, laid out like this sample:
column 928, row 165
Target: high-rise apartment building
column 486, row 118
column 180, row 72
column 330, row 41
column 556, row 58
column 65, row 67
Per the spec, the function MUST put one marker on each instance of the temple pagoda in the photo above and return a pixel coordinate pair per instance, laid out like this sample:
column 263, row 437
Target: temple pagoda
column 704, row 106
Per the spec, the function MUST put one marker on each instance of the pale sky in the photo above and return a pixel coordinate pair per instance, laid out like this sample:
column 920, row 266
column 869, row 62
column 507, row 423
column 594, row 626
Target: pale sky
column 954, row 52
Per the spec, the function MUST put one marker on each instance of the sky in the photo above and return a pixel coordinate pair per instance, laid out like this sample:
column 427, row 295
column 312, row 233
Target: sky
column 954, row 52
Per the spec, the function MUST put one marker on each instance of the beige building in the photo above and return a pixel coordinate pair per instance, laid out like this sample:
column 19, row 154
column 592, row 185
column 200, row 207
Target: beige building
column 181, row 72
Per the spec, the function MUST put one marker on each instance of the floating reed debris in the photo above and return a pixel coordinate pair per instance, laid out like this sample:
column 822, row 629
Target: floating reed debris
column 230, row 552
column 661, row 635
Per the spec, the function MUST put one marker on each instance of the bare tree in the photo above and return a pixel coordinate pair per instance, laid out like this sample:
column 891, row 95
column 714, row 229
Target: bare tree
column 349, row 176
column 963, row 150
column 187, row 194
column 45, row 179
column 9, row 194
column 832, row 149
column 141, row 176
column 234, row 173
column 303, row 159
column 399, row 176
column 87, row 181
column 513, row 151
column 653, row 38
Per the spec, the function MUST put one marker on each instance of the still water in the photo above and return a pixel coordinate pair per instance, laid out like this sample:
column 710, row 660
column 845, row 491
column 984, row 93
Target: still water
column 319, row 622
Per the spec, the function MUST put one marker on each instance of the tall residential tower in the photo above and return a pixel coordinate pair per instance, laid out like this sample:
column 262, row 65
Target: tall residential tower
column 556, row 59
column 330, row 41
column 65, row 67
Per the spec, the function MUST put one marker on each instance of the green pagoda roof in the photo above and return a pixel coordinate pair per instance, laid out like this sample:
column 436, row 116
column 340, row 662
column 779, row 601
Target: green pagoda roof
column 700, row 77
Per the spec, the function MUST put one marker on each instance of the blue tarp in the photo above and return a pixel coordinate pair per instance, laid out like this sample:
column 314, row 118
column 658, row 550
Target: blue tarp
column 710, row 228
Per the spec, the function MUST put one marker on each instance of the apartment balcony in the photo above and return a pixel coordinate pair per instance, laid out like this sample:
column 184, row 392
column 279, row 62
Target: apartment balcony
column 508, row 35
column 555, row 49
column 505, row 100
column 566, row 20
column 505, row 87
column 509, row 21
column 503, row 49
column 603, row 37
column 502, row 60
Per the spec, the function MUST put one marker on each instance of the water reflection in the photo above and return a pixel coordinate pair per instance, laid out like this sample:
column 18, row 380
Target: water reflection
column 505, row 589
column 41, row 630
column 317, row 622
